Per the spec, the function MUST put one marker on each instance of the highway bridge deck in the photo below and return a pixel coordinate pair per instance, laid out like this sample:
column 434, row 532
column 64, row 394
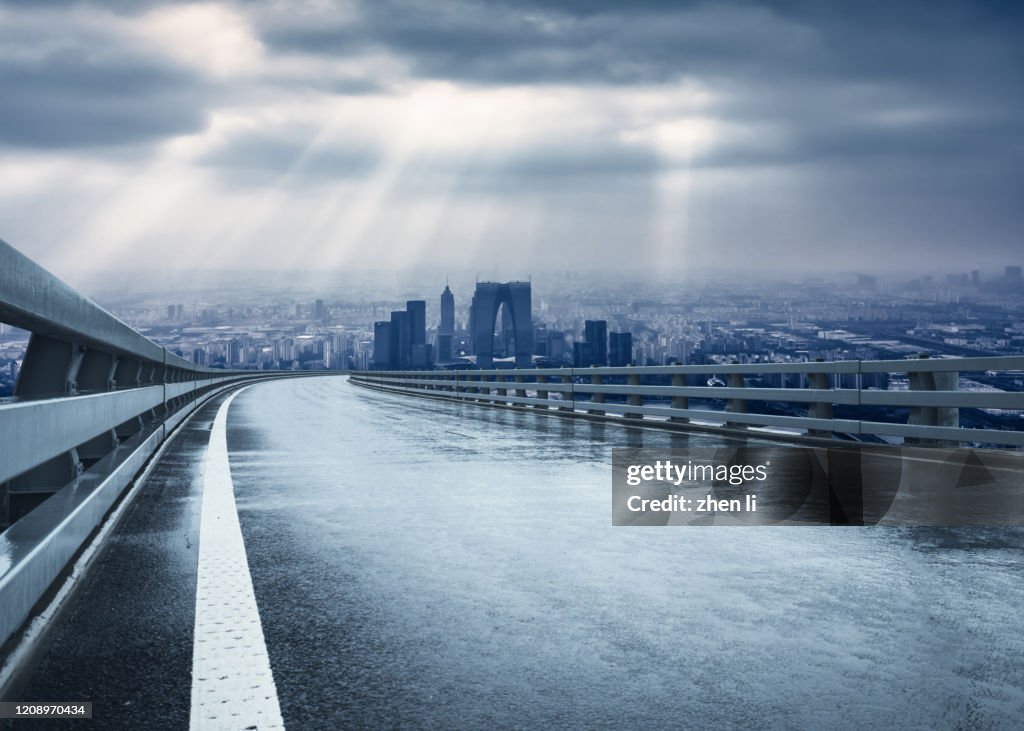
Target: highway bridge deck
column 426, row 564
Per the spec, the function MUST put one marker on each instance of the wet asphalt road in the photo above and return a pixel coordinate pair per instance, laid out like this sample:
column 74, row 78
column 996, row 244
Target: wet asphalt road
column 428, row 565
column 127, row 644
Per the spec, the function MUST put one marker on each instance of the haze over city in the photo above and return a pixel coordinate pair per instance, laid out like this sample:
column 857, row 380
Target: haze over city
column 511, row 136
column 573, row 364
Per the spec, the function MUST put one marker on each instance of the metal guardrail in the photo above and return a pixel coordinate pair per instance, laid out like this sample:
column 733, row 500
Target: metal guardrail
column 933, row 399
column 93, row 402
column 88, row 382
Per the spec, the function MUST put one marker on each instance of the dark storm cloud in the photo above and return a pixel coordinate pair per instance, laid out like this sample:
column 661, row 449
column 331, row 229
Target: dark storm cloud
column 573, row 42
column 497, row 43
column 71, row 98
column 118, row 6
column 342, row 87
column 815, row 72
column 837, row 140
column 869, row 125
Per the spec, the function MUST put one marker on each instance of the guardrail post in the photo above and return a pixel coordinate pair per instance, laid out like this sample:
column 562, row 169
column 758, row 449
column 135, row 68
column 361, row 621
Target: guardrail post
column 597, row 398
column 147, row 373
column 96, row 373
column 521, row 392
column 49, row 368
column 634, row 399
column 30, row 489
column 679, row 402
column 501, row 390
column 129, row 428
column 819, row 409
column 567, row 380
column 736, row 405
column 127, row 373
column 541, row 393
column 933, row 415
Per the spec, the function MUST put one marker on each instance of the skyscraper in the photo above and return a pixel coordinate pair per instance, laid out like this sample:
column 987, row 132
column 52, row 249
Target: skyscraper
column 620, row 349
column 419, row 351
column 417, row 310
column 582, row 354
column 235, row 352
column 556, row 346
column 447, row 326
column 401, row 340
column 595, row 332
column 483, row 314
column 382, row 345
column 446, row 330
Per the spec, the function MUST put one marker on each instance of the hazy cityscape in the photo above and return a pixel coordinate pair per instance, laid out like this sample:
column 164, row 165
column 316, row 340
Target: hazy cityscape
column 251, row 322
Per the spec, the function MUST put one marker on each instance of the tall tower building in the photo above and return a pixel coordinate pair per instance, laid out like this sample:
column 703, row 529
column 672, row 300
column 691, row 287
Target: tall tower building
column 620, row 350
column 446, row 330
column 447, row 312
column 401, row 341
column 583, row 354
column 417, row 310
column 483, row 315
column 419, row 351
column 595, row 332
column 382, row 345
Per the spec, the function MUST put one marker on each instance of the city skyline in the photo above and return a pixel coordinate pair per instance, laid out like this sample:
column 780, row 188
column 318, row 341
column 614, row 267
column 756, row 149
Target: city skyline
column 627, row 323
column 292, row 325
column 520, row 136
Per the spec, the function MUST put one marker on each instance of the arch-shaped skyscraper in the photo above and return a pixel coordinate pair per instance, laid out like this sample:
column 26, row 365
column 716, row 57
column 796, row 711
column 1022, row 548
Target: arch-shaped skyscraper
column 487, row 299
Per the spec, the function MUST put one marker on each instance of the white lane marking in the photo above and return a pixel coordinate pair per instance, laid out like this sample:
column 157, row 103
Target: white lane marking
column 232, row 683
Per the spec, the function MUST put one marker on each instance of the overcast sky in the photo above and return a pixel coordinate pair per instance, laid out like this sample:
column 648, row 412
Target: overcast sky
column 513, row 134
